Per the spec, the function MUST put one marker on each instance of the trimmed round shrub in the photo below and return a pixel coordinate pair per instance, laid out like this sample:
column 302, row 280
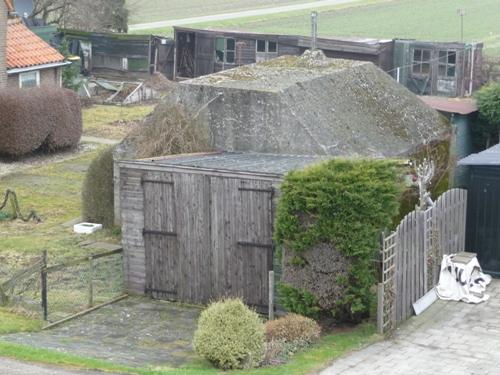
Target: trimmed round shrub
column 292, row 328
column 230, row 335
column 97, row 191
column 37, row 118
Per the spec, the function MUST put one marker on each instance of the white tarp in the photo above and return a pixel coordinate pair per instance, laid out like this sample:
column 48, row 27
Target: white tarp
column 462, row 282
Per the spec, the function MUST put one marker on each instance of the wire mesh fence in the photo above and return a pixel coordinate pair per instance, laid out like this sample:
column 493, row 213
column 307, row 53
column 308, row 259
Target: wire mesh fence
column 81, row 284
column 56, row 292
column 20, row 290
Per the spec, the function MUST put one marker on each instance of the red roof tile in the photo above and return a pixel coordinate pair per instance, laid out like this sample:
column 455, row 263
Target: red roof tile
column 25, row 49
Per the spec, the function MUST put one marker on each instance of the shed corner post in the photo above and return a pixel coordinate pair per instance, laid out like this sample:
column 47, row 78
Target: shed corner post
column 116, row 190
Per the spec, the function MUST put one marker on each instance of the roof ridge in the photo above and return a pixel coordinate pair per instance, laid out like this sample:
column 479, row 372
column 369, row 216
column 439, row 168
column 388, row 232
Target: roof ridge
column 25, row 48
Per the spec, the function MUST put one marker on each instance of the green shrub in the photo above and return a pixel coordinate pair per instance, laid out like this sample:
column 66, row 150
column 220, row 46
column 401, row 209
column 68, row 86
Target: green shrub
column 299, row 301
column 328, row 224
column 230, row 335
column 488, row 101
column 293, row 327
column 31, row 119
column 97, row 191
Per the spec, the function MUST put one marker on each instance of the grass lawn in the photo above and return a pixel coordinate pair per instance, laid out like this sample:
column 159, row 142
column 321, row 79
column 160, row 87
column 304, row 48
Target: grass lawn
column 10, row 322
column 161, row 10
column 320, row 355
column 113, row 122
column 418, row 19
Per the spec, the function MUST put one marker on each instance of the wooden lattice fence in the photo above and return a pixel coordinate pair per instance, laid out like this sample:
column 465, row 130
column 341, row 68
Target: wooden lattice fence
column 411, row 255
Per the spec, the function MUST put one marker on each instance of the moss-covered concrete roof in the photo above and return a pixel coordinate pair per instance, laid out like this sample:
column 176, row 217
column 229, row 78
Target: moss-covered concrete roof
column 277, row 74
column 313, row 105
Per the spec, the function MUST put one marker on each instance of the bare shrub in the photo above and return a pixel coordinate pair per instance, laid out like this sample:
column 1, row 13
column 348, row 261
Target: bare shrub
column 168, row 130
column 293, row 328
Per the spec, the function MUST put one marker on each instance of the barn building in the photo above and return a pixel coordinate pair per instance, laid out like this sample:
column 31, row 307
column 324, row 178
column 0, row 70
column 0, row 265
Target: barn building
column 483, row 207
column 197, row 227
column 200, row 52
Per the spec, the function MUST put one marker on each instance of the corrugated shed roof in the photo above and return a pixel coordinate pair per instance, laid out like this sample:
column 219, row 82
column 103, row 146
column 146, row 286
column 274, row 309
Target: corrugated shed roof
column 243, row 161
column 462, row 106
column 25, row 49
column 489, row 157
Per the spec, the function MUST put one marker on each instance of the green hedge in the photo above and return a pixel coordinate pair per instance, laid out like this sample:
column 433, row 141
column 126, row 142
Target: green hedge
column 97, row 191
column 340, row 207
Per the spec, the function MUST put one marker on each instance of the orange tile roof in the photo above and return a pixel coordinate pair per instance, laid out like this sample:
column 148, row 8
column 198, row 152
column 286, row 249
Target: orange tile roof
column 25, row 49
column 10, row 5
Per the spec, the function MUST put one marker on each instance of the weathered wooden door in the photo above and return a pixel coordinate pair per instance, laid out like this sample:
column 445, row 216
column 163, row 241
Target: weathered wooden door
column 160, row 236
column 207, row 237
column 241, row 236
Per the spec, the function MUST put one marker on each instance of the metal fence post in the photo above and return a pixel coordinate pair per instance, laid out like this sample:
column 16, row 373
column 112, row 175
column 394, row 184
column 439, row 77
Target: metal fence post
column 44, row 285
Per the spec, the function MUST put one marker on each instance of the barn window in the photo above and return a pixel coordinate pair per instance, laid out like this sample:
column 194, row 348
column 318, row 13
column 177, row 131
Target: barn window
column 265, row 50
column 421, row 61
column 261, row 46
column 29, row 79
column 225, row 50
column 266, row 46
column 447, row 63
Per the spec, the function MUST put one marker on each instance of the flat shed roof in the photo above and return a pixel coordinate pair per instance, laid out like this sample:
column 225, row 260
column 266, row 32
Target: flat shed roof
column 489, row 157
column 242, row 161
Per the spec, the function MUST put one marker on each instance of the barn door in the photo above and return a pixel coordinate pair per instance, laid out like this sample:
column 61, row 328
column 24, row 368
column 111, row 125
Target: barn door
column 160, row 236
column 241, row 239
column 254, row 245
column 205, row 54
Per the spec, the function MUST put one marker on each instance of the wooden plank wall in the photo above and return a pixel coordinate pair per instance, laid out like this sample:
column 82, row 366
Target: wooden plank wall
column 132, row 219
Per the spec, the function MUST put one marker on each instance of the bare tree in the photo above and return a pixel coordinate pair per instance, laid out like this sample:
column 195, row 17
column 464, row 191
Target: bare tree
column 86, row 15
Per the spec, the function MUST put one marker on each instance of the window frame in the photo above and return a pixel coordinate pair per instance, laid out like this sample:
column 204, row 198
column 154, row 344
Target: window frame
column 24, row 74
column 225, row 51
column 447, row 64
column 421, row 62
column 266, row 46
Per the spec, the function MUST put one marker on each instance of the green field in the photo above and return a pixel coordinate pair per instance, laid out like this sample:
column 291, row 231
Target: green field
column 142, row 11
column 418, row 19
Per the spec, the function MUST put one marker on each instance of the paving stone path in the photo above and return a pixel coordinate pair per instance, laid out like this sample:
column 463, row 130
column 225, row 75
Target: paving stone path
column 12, row 367
column 448, row 338
column 134, row 332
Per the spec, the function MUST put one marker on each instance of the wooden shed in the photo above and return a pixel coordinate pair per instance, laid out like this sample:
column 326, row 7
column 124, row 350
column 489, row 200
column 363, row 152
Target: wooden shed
column 483, row 207
column 198, row 227
column 200, row 52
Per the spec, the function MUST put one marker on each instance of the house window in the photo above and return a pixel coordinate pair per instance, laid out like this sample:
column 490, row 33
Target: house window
column 421, row 61
column 447, row 63
column 29, row 79
column 266, row 46
column 225, row 50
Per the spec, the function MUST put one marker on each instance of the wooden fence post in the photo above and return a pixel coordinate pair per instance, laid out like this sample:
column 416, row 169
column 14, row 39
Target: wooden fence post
column 91, row 282
column 380, row 308
column 44, row 285
column 271, row 295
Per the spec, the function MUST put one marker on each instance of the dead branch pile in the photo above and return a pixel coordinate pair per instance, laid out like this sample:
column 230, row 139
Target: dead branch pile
column 169, row 130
